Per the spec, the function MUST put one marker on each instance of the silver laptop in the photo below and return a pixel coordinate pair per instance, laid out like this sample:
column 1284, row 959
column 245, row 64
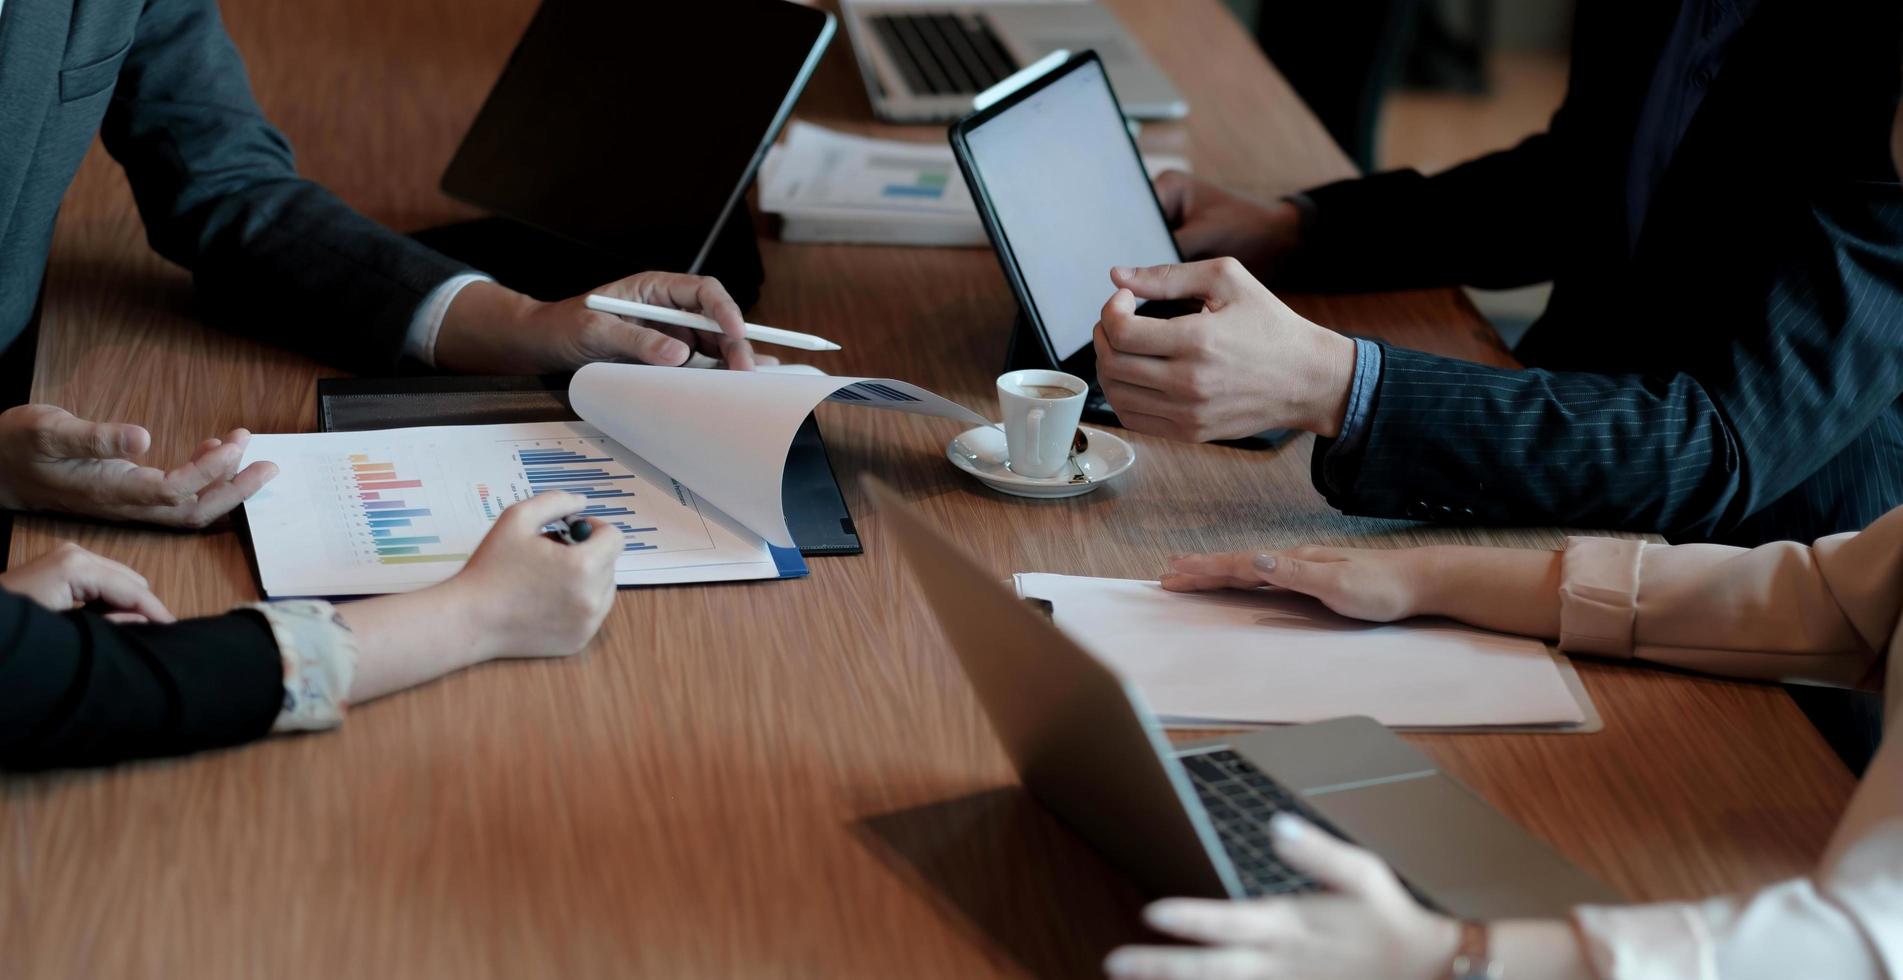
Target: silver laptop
column 1192, row 819
column 924, row 61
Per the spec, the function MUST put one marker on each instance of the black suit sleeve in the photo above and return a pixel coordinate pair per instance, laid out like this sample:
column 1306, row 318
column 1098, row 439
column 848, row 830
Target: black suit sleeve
column 219, row 195
column 1496, row 222
column 77, row 690
column 1814, row 361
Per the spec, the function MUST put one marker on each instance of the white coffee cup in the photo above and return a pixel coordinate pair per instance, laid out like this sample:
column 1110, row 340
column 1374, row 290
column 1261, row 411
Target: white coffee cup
column 1040, row 410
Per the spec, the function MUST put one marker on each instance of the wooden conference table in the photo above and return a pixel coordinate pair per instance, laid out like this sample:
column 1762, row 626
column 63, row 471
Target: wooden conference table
column 741, row 780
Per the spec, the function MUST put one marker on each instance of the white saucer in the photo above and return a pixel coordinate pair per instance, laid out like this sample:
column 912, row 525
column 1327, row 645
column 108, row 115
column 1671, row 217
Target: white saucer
column 981, row 453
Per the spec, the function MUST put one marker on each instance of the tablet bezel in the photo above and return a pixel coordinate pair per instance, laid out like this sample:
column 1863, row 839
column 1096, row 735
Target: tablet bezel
column 994, row 229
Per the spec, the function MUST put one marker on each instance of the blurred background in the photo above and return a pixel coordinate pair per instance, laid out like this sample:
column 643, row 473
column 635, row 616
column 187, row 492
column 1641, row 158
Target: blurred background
column 1425, row 84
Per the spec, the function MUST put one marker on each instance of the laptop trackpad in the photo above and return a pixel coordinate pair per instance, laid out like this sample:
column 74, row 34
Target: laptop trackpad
column 1458, row 851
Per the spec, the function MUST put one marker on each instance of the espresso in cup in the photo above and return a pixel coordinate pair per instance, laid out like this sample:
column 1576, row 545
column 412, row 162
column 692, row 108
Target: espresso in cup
column 1043, row 391
column 1040, row 410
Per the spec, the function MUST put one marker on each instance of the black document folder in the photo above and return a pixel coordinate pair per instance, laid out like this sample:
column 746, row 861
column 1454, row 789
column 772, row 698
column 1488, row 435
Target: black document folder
column 815, row 510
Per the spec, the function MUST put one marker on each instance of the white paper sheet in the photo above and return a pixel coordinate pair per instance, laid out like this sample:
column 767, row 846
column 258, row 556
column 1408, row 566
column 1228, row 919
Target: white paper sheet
column 367, row 513
column 725, row 434
column 1260, row 657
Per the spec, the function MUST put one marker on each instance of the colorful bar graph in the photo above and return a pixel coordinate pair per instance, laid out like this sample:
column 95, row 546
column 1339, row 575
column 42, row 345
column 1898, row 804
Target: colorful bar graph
column 381, row 516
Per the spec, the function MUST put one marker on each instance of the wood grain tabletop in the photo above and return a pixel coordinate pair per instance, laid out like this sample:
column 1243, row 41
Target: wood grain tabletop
column 769, row 779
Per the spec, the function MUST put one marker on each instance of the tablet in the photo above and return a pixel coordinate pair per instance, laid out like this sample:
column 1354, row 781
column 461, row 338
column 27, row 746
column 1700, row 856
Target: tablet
column 635, row 128
column 1063, row 195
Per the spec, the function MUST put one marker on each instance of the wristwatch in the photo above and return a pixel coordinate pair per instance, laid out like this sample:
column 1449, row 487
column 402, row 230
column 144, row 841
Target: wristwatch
column 1473, row 960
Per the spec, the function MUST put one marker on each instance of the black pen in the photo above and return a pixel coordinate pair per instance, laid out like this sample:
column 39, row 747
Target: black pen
column 572, row 530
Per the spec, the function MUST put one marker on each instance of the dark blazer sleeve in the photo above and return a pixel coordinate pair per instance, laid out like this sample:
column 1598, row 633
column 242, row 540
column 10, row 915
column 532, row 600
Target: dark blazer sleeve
column 1815, row 360
column 219, row 195
column 77, row 690
column 1496, row 222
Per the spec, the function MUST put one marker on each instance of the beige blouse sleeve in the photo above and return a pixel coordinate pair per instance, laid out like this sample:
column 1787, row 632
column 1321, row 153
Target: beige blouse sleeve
column 1827, row 613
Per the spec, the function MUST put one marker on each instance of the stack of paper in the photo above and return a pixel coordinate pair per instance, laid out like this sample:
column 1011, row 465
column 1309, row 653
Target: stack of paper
column 832, row 187
column 1228, row 658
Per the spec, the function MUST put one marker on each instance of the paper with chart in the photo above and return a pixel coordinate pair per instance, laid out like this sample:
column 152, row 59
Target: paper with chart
column 367, row 513
column 725, row 433
column 1225, row 658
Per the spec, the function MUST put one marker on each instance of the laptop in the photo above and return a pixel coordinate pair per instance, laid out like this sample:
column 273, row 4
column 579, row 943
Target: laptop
column 1192, row 819
column 923, row 62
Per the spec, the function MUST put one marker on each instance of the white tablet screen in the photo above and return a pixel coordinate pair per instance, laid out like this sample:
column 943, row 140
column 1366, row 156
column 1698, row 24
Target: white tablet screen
column 1071, row 196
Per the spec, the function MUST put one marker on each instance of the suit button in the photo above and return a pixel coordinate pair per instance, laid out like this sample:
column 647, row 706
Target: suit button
column 1417, row 510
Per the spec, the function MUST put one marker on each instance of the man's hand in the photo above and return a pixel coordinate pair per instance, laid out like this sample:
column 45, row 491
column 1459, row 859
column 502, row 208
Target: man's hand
column 490, row 329
column 1210, row 221
column 69, row 577
column 52, row 460
column 1245, row 364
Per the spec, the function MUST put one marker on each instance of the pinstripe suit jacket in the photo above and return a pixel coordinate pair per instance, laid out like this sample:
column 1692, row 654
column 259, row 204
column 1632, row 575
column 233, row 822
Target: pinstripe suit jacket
column 1733, row 371
column 271, row 254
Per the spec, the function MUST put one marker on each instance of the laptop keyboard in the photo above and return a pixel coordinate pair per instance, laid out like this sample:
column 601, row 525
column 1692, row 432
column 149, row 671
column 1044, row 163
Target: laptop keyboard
column 944, row 54
column 1240, row 800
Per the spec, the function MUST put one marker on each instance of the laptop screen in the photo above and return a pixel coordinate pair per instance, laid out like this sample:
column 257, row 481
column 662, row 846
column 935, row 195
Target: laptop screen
column 1071, row 199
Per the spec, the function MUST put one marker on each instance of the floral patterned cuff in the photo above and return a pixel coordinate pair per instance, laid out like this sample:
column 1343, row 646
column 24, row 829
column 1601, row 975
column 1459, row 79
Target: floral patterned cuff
column 320, row 659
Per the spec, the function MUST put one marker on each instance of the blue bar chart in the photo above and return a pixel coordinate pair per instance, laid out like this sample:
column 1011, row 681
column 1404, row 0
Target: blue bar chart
column 589, row 471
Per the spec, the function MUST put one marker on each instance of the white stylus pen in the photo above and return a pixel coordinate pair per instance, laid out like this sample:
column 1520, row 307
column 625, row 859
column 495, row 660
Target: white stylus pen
column 694, row 321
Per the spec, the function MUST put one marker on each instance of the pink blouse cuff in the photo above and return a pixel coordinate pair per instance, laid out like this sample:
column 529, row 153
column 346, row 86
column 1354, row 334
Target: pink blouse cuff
column 1645, row 942
column 1598, row 596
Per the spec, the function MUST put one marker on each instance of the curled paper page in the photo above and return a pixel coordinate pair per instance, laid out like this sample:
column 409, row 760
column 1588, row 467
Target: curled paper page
column 725, row 434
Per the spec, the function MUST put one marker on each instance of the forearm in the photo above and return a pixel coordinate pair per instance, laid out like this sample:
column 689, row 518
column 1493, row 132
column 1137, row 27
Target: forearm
column 1508, row 590
column 77, row 690
column 1539, row 949
column 413, row 638
column 1457, row 442
column 1494, row 222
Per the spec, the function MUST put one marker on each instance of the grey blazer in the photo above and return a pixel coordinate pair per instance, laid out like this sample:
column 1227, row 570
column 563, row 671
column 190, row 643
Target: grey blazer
column 162, row 83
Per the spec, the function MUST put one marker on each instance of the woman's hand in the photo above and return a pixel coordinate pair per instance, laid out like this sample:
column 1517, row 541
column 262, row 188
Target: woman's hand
column 1380, row 585
column 1510, row 590
column 51, row 460
column 528, row 595
column 69, row 577
column 1365, row 926
column 522, row 594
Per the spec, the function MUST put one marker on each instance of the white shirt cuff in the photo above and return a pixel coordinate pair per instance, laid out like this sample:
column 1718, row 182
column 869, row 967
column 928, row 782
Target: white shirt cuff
column 428, row 321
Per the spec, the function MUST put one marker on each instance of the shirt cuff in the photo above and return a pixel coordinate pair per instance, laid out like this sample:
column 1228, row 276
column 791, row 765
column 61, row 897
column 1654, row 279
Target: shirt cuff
column 1359, row 418
column 1646, row 942
column 420, row 342
column 1599, row 596
column 320, row 661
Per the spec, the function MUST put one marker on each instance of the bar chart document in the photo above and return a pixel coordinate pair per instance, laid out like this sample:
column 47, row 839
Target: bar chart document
column 366, row 513
column 686, row 464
